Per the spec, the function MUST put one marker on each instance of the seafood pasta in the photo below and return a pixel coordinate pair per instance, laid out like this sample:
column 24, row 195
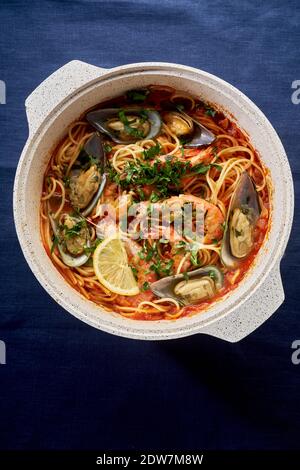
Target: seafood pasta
column 154, row 204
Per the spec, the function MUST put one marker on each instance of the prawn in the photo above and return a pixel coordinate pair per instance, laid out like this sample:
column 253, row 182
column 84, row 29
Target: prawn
column 213, row 217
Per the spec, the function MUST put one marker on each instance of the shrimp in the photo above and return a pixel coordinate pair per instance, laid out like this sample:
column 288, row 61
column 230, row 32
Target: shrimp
column 213, row 217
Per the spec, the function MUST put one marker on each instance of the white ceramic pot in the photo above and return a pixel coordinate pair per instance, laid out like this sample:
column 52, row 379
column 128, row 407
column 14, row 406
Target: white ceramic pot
column 62, row 98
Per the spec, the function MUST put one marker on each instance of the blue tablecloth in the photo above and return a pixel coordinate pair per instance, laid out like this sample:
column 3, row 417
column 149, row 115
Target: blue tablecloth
column 69, row 386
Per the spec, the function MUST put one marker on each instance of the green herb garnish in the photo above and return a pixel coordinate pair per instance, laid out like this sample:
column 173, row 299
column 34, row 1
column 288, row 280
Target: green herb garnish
column 137, row 133
column 92, row 248
column 218, row 167
column 107, row 148
column 210, row 111
column 66, row 181
column 134, row 271
column 194, row 257
column 75, row 230
column 165, row 176
column 152, row 152
column 215, row 151
column 200, row 169
column 154, row 197
column 55, row 242
column 137, row 96
column 184, row 141
column 146, row 286
column 141, row 194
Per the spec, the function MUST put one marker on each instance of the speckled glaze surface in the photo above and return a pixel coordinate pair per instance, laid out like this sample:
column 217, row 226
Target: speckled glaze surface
column 62, row 98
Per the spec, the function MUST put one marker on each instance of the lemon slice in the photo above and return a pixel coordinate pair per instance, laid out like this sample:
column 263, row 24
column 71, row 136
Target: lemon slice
column 111, row 267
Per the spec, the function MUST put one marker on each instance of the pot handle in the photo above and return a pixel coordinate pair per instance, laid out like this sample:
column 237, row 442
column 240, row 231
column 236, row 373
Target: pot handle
column 252, row 313
column 62, row 83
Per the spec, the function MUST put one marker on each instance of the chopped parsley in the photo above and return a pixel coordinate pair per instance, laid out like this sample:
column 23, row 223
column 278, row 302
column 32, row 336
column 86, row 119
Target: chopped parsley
column 165, row 176
column 215, row 165
column 146, row 286
column 137, row 133
column 154, row 197
column 152, row 152
column 134, row 271
column 210, row 111
column 194, row 257
column 137, row 96
column 163, row 269
column 200, row 169
column 215, row 152
column 107, row 148
column 55, row 242
column 90, row 249
column 66, row 181
column 184, row 140
column 73, row 231
column 141, row 194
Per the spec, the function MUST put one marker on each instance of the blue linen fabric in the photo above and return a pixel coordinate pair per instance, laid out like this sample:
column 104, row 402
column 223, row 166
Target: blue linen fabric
column 69, row 386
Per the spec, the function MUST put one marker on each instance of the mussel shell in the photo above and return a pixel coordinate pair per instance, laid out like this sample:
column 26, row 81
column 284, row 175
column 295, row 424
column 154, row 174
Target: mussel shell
column 92, row 148
column 165, row 286
column 244, row 198
column 201, row 135
column 68, row 259
column 99, row 118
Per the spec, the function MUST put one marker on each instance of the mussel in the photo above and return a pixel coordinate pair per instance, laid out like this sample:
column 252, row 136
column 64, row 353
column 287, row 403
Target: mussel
column 126, row 125
column 192, row 287
column 243, row 212
column 73, row 238
column 87, row 176
column 183, row 125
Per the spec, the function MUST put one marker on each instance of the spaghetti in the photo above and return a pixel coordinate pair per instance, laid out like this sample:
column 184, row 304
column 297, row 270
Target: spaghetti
column 163, row 171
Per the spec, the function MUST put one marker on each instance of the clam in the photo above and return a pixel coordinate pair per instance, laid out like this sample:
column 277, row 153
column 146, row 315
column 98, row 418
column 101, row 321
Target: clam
column 73, row 238
column 243, row 212
column 126, row 125
column 87, row 176
column 191, row 287
column 183, row 125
